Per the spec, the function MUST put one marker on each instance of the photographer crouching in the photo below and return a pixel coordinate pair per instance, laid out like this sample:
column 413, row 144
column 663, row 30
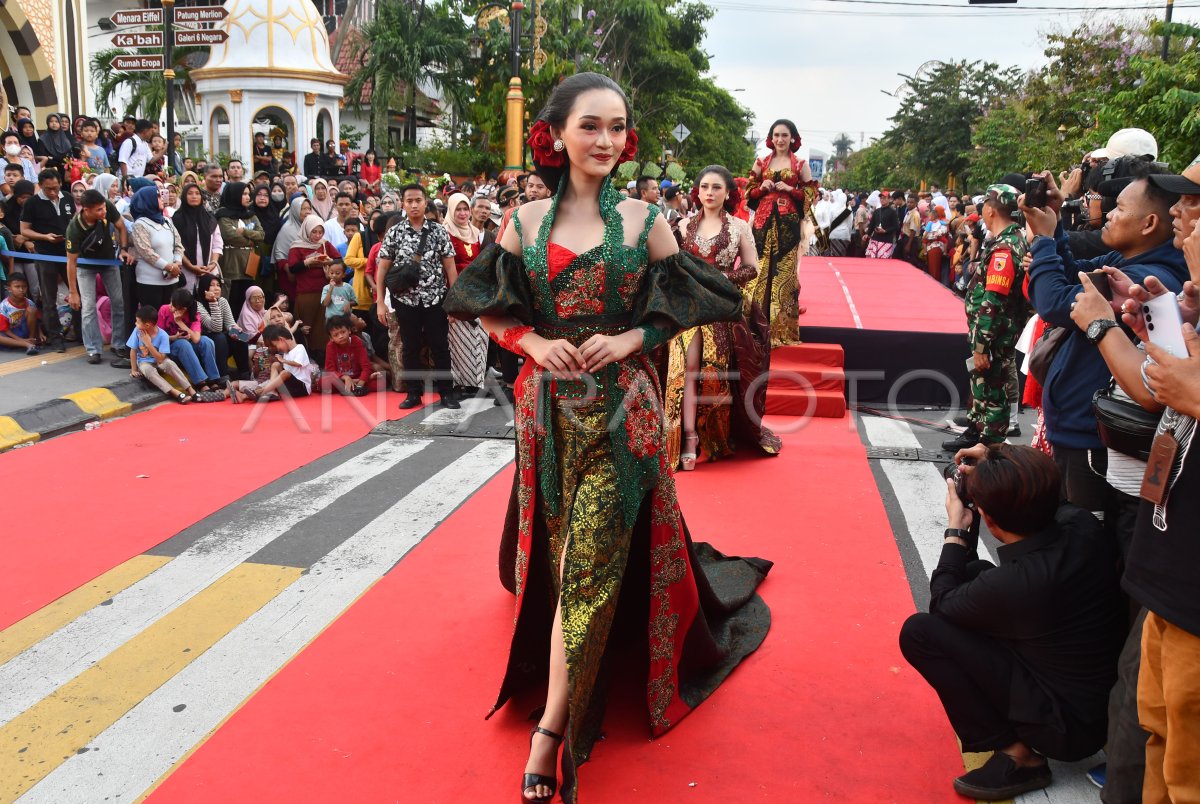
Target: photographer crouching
column 1022, row 655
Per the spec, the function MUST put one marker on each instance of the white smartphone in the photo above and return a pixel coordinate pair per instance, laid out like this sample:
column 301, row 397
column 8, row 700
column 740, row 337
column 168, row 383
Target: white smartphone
column 1165, row 324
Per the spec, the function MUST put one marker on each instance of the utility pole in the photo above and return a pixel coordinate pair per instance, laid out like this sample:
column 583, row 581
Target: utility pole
column 168, row 7
column 1167, row 32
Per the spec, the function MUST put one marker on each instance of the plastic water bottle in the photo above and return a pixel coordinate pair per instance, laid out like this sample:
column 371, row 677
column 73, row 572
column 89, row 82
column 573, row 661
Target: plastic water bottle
column 92, row 426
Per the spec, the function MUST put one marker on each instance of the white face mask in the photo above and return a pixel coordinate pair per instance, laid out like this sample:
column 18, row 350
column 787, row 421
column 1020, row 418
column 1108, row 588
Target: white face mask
column 12, row 149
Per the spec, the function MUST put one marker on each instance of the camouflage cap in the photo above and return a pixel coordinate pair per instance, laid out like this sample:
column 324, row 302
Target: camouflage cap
column 1006, row 194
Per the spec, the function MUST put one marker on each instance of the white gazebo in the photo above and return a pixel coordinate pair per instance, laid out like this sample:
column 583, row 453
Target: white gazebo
column 273, row 70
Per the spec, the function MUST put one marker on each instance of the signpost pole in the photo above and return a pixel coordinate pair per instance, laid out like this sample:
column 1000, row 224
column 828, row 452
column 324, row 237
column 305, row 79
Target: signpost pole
column 169, row 75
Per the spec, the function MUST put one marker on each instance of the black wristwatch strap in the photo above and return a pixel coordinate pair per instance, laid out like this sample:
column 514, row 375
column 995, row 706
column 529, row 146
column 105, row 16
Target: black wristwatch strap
column 957, row 533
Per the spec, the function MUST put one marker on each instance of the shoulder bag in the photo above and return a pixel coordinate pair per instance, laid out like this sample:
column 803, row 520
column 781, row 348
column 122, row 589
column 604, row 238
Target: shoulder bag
column 404, row 275
column 1123, row 424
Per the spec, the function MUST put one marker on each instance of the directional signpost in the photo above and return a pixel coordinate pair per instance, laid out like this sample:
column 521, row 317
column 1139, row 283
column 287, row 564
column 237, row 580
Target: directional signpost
column 190, row 18
column 197, row 15
column 138, row 64
column 136, row 39
column 146, row 16
column 192, row 38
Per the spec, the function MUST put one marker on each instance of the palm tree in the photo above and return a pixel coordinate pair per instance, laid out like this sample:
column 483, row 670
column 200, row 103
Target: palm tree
column 147, row 90
column 405, row 44
column 842, row 146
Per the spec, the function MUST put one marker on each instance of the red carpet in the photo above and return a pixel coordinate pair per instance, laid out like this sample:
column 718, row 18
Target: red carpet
column 83, row 509
column 388, row 703
column 886, row 295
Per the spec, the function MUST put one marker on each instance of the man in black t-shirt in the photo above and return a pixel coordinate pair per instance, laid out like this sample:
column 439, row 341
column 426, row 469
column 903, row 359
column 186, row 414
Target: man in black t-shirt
column 44, row 220
column 884, row 227
column 96, row 233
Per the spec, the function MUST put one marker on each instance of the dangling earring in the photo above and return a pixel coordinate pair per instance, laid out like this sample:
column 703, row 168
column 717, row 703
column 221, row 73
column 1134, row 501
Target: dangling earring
column 559, row 145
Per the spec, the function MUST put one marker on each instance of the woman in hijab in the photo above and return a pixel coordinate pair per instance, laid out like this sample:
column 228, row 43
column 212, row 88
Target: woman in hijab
column 389, row 203
column 252, row 319
column 269, row 204
column 158, row 249
column 322, row 199
column 242, row 233
column 307, row 260
column 298, row 210
column 468, row 341
column 202, row 243
column 109, row 186
column 55, row 142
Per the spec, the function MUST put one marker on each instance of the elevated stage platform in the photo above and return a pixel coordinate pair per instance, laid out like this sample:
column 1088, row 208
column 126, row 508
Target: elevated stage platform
column 903, row 334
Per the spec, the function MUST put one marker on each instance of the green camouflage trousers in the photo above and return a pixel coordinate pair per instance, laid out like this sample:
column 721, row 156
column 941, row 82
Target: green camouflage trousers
column 990, row 394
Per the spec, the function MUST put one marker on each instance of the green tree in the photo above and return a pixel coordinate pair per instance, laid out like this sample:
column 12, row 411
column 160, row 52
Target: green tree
column 652, row 48
column 880, row 164
column 842, row 146
column 1165, row 100
column 147, row 91
column 934, row 119
column 407, row 43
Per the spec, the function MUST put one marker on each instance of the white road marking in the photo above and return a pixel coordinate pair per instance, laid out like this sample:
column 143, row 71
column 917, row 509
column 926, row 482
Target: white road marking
column 469, row 407
column 849, row 298
column 42, row 668
column 920, row 493
column 128, row 757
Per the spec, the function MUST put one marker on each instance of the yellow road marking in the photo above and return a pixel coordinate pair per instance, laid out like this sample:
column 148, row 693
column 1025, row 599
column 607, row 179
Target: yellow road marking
column 99, row 402
column 12, row 434
column 44, row 736
column 37, row 626
column 36, row 361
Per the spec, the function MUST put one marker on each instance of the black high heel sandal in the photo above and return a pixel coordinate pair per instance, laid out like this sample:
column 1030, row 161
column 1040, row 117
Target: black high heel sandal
column 534, row 779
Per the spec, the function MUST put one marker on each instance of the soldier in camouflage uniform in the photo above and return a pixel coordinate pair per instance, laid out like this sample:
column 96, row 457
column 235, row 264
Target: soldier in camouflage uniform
column 995, row 316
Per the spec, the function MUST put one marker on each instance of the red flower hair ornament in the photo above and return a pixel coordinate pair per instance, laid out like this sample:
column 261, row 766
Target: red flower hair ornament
column 541, row 143
column 795, row 146
column 631, row 143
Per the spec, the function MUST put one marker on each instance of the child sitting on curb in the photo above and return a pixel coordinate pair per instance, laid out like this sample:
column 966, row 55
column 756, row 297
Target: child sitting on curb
column 346, row 359
column 19, row 317
column 290, row 369
column 149, row 354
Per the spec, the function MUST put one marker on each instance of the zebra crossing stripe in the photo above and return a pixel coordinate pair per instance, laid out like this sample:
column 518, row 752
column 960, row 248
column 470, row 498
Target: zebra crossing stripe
column 34, row 628
column 54, row 729
column 135, row 753
column 40, row 669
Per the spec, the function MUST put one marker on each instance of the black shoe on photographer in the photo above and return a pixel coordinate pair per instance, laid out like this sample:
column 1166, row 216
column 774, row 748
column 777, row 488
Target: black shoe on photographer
column 968, row 438
column 963, row 421
column 411, row 401
column 1014, row 431
column 1001, row 778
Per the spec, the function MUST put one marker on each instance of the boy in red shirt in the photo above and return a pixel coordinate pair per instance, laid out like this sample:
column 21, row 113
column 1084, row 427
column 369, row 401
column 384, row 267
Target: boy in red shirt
column 346, row 358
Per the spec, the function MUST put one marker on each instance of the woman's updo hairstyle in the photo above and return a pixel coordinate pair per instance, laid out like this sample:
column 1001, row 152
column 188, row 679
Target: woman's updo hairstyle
column 783, row 121
column 558, row 108
column 733, row 195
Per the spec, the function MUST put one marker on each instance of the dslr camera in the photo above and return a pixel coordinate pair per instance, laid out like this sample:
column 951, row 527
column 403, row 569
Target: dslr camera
column 954, row 472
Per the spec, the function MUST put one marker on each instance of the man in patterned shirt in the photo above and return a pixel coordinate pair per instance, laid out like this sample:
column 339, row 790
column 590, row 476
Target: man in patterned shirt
column 418, row 311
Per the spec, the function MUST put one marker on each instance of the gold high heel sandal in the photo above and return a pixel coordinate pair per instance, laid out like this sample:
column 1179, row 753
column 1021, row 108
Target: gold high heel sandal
column 687, row 460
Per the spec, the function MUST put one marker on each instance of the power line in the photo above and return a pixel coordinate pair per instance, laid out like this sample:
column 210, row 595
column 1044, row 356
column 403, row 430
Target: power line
column 950, row 11
column 736, row 5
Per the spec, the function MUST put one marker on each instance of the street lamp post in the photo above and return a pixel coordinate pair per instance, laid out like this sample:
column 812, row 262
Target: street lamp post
column 514, row 145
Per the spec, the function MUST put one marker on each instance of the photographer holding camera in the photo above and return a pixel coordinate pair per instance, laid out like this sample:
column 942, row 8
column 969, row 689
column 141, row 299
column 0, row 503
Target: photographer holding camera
column 1090, row 191
column 1139, row 232
column 1022, row 655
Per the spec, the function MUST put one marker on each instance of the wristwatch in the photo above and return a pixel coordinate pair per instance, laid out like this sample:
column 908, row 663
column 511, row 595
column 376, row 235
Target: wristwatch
column 1096, row 329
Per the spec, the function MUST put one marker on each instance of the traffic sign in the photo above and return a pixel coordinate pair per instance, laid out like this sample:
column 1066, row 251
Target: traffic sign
column 137, row 39
column 138, row 64
column 195, row 15
column 189, row 38
column 681, row 133
column 144, row 16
